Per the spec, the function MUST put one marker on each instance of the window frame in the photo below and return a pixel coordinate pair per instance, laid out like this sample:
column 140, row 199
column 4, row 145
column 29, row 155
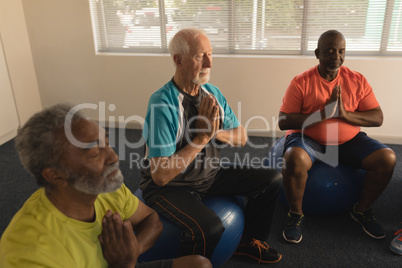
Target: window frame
column 98, row 17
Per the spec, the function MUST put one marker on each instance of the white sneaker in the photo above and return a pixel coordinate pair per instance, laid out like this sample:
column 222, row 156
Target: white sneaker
column 396, row 243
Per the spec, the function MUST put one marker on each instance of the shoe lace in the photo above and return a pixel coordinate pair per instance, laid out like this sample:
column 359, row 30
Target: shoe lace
column 295, row 220
column 399, row 232
column 367, row 215
column 259, row 244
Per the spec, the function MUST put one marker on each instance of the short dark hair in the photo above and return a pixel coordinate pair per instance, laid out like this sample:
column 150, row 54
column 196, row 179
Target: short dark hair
column 41, row 141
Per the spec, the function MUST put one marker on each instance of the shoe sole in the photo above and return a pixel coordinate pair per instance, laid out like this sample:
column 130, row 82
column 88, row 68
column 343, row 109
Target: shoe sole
column 364, row 229
column 257, row 259
column 290, row 240
column 394, row 250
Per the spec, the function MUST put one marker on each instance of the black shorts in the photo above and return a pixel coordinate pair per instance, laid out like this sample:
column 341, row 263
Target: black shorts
column 156, row 264
column 349, row 153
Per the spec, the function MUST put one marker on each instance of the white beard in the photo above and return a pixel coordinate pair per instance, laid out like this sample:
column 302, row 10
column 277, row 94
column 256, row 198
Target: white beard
column 202, row 80
column 86, row 184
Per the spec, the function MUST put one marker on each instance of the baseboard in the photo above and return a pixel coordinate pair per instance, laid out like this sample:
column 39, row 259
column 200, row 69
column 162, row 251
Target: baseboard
column 381, row 138
column 264, row 133
column 387, row 139
column 8, row 136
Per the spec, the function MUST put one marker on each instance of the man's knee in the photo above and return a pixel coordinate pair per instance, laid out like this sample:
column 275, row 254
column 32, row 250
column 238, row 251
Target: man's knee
column 196, row 261
column 208, row 231
column 389, row 159
column 296, row 160
column 383, row 160
column 201, row 262
column 213, row 230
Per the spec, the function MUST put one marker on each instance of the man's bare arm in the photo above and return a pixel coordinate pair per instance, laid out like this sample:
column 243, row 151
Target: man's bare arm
column 369, row 118
column 235, row 137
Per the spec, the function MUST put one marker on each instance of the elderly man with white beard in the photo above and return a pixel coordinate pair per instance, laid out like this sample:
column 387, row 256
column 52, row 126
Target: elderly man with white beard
column 188, row 121
column 82, row 215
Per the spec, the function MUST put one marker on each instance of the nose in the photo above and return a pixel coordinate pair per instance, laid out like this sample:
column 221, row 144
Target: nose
column 111, row 156
column 207, row 62
column 336, row 55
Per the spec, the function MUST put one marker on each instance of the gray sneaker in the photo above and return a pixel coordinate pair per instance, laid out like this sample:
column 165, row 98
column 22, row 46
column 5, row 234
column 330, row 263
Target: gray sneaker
column 293, row 230
column 368, row 222
column 396, row 243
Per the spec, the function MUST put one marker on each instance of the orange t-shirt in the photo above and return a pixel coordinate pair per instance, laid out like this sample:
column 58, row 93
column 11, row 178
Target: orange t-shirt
column 309, row 92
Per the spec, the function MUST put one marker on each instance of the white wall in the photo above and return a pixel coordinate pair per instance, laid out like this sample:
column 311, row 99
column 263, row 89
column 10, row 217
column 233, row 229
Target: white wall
column 67, row 69
column 18, row 58
column 8, row 112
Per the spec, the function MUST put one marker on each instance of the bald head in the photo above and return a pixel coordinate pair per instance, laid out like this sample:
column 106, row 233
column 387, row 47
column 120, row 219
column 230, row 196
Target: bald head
column 328, row 34
column 331, row 53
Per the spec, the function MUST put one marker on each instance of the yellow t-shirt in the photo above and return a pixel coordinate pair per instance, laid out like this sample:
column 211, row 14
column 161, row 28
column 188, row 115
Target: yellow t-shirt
column 39, row 235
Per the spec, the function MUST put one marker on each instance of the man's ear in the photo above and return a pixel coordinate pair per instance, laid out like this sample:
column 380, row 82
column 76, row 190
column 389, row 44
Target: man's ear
column 54, row 176
column 317, row 53
column 177, row 59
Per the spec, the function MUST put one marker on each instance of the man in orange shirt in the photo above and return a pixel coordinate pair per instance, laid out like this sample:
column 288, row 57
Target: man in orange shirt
column 323, row 109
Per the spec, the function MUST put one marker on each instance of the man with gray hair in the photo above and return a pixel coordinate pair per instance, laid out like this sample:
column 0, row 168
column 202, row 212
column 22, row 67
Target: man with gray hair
column 188, row 121
column 82, row 215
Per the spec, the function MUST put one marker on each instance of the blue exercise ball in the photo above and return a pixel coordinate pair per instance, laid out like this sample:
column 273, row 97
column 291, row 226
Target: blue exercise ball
column 230, row 211
column 329, row 190
column 167, row 244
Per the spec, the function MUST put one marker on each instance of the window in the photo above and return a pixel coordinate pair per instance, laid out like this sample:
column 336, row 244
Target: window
column 286, row 27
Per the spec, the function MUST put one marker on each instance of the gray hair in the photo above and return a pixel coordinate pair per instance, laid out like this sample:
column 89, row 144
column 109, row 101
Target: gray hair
column 179, row 45
column 41, row 141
